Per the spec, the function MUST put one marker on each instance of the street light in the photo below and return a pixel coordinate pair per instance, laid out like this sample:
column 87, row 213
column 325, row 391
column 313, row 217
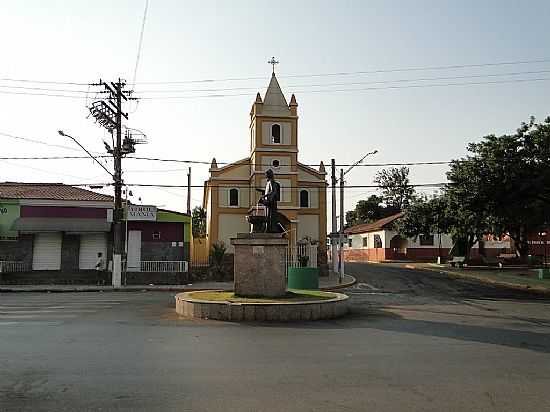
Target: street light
column 116, row 268
column 341, row 233
column 61, row 133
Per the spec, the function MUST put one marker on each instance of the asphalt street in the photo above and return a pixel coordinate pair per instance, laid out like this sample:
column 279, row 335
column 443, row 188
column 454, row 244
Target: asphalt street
column 415, row 341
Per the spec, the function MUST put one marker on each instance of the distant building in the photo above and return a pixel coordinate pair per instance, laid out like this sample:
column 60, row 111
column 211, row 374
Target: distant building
column 231, row 189
column 56, row 227
column 379, row 241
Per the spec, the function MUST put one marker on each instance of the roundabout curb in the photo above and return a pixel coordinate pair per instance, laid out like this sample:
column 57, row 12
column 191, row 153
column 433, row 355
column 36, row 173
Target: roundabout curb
column 262, row 311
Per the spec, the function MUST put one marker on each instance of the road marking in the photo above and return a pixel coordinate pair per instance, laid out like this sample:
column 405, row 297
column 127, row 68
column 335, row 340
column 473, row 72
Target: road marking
column 8, row 323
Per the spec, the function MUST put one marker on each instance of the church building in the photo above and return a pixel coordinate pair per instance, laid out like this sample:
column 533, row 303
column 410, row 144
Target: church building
column 231, row 189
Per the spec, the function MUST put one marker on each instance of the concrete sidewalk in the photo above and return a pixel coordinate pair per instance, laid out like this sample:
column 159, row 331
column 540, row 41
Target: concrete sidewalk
column 511, row 277
column 325, row 283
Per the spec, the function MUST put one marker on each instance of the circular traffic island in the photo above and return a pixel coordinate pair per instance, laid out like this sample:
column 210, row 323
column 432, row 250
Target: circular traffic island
column 295, row 305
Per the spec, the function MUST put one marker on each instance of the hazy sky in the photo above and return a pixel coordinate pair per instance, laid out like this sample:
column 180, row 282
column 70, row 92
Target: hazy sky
column 83, row 41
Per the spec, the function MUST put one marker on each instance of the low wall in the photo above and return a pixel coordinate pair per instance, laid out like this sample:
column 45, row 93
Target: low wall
column 282, row 312
column 382, row 254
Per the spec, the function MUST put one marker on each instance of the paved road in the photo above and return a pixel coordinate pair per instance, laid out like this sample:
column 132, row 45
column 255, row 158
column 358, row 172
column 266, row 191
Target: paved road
column 397, row 278
column 428, row 346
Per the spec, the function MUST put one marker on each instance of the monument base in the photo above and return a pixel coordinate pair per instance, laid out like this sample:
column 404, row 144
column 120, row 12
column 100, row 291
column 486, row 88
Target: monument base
column 260, row 264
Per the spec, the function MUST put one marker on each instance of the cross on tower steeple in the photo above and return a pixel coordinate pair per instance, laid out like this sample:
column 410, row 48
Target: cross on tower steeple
column 273, row 62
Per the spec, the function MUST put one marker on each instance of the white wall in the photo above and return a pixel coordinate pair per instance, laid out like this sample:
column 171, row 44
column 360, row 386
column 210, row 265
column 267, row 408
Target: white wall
column 357, row 240
column 228, row 227
column 308, row 225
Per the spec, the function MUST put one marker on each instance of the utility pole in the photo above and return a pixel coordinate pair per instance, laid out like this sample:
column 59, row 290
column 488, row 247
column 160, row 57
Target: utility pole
column 108, row 113
column 334, row 226
column 118, row 212
column 341, row 237
column 189, row 191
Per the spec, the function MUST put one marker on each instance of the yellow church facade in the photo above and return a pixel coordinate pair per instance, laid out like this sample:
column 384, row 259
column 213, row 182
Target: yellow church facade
column 231, row 189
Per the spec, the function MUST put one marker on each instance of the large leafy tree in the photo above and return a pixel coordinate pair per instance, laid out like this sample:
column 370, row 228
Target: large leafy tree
column 397, row 191
column 501, row 187
column 509, row 177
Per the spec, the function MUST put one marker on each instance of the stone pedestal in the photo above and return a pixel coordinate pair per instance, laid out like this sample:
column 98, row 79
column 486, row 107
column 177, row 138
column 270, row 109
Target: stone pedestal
column 260, row 264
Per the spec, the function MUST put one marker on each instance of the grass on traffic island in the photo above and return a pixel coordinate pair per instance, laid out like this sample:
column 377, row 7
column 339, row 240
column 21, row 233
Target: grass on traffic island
column 292, row 296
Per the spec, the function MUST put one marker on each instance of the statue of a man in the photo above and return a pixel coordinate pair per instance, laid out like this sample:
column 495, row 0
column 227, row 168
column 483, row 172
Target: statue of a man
column 271, row 195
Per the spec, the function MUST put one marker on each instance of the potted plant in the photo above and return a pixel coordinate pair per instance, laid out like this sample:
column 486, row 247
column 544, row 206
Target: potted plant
column 303, row 277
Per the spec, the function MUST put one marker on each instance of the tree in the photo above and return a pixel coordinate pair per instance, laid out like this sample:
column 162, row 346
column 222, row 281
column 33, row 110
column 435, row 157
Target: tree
column 506, row 181
column 397, row 192
column 198, row 222
column 367, row 211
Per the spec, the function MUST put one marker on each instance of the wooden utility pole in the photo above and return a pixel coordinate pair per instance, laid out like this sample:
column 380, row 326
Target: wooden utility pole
column 341, row 234
column 334, row 226
column 118, row 212
column 108, row 113
column 189, row 191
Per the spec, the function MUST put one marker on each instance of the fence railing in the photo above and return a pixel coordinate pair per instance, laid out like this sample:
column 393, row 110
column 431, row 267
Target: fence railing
column 164, row 266
column 12, row 266
column 293, row 253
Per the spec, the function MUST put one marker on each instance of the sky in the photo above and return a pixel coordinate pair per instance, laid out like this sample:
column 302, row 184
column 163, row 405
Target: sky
column 407, row 115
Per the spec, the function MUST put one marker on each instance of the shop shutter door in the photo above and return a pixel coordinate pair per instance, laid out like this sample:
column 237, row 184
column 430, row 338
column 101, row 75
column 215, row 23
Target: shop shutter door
column 46, row 253
column 90, row 245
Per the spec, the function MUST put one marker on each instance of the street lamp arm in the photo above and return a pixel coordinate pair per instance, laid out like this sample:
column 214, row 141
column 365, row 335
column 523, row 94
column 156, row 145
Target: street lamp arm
column 83, row 148
column 360, row 161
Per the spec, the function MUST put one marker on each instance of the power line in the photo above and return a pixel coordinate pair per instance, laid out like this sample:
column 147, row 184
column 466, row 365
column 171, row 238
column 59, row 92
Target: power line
column 44, row 89
column 440, row 184
column 5, row 79
column 353, row 83
column 419, row 86
column 27, row 139
column 43, row 94
column 332, row 74
column 391, row 70
column 201, row 162
column 140, row 43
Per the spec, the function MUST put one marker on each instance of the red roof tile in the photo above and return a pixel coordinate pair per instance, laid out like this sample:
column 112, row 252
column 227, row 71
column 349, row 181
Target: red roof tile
column 370, row 227
column 49, row 191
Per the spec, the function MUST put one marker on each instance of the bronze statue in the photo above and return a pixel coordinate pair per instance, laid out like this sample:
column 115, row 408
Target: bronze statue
column 264, row 217
column 271, row 195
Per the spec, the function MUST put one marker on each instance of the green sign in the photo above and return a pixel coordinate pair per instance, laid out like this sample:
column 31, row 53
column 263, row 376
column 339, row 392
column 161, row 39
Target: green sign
column 9, row 213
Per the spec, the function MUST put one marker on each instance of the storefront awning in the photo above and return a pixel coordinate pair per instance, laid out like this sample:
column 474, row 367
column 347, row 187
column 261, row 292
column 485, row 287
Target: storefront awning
column 57, row 224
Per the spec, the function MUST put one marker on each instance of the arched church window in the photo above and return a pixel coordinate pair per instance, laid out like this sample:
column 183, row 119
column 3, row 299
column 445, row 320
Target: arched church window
column 275, row 163
column 276, row 133
column 304, row 198
column 234, row 197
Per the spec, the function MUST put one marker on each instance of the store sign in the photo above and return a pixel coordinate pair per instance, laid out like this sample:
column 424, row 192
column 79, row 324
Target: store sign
column 9, row 213
column 139, row 212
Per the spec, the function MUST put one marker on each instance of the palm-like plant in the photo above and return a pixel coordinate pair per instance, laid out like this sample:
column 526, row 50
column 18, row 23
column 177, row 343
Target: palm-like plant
column 217, row 255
